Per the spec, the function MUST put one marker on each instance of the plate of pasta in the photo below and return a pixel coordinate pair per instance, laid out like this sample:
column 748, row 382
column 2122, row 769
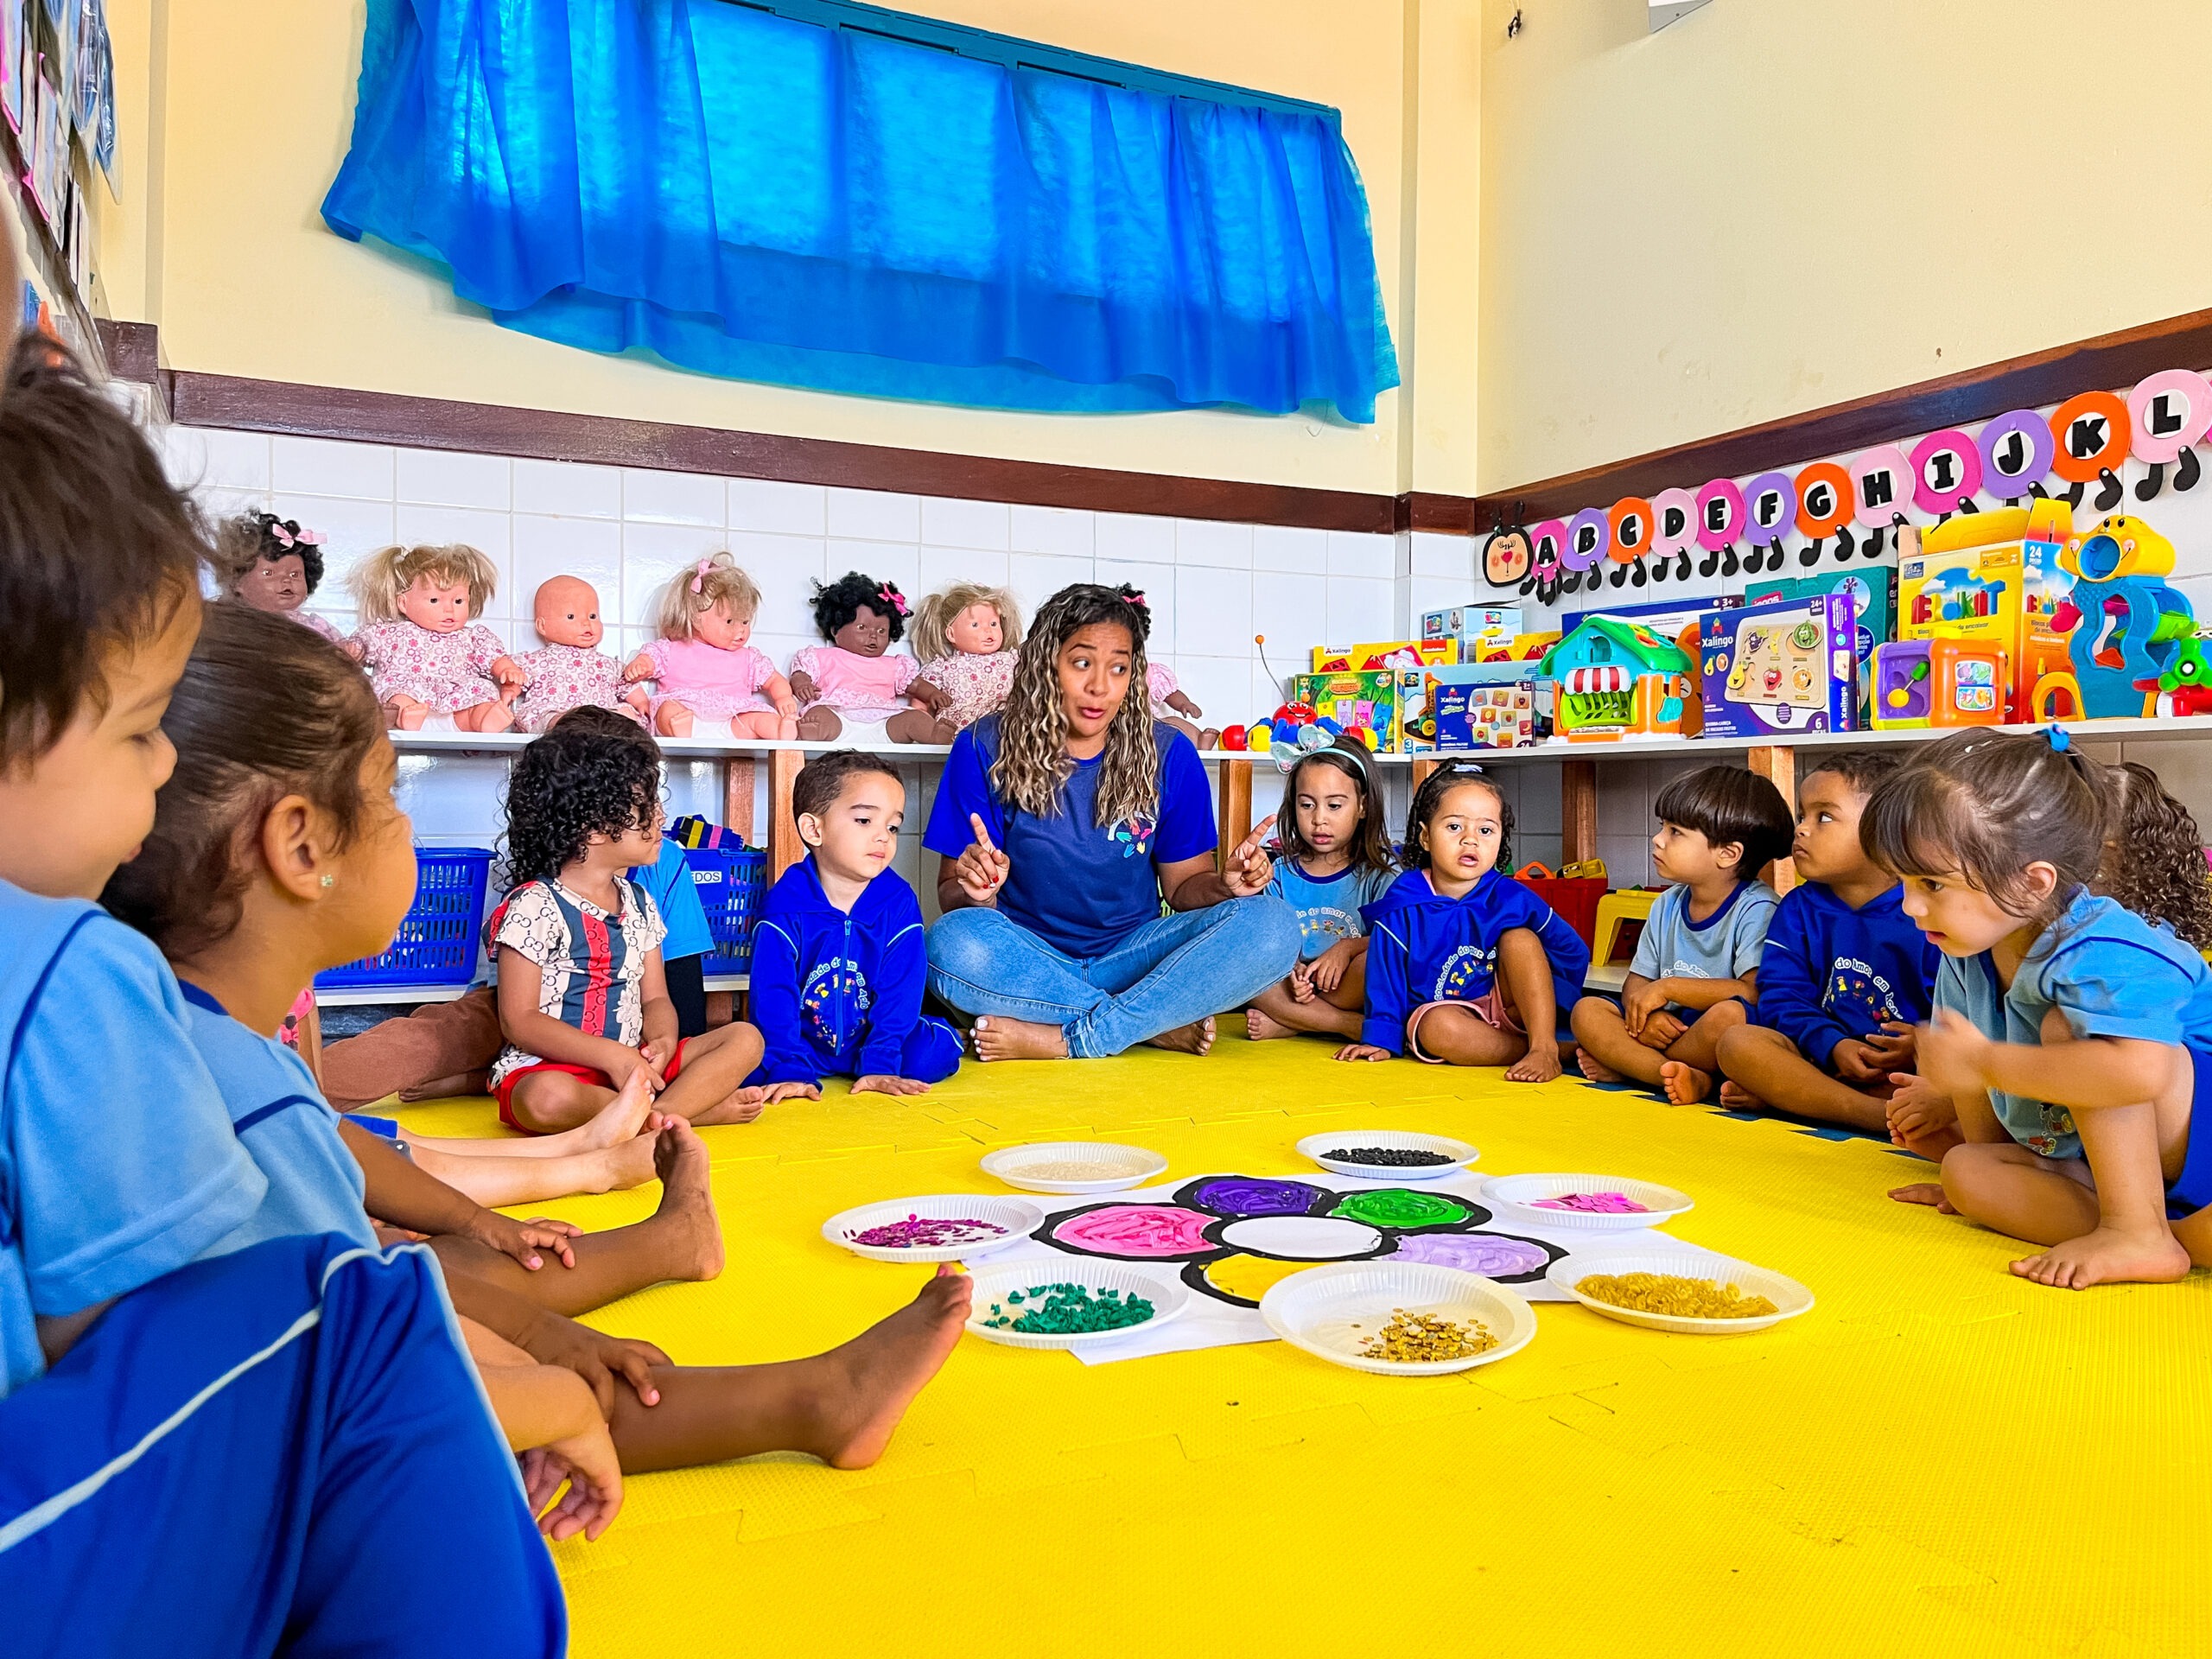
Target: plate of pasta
column 1687, row 1292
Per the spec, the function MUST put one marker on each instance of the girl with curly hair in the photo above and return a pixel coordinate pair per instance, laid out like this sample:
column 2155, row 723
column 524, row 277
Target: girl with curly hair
column 582, row 991
column 1061, row 824
column 2154, row 856
column 849, row 688
column 273, row 565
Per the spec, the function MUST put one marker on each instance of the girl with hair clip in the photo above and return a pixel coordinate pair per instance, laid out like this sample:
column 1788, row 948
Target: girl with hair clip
column 273, row 565
column 1061, row 823
column 1333, row 860
column 965, row 639
column 1170, row 707
column 704, row 666
column 849, row 688
column 425, row 658
column 1466, row 966
column 2071, row 1043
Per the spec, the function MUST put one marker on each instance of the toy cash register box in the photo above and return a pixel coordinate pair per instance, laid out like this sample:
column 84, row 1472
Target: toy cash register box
column 1785, row 667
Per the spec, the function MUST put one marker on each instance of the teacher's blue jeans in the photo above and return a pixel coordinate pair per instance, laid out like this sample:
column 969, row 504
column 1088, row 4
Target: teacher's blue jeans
column 1164, row 974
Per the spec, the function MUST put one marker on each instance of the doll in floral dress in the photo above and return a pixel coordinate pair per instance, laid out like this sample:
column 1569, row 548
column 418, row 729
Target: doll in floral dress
column 272, row 564
column 849, row 687
column 569, row 671
column 966, row 639
column 426, row 657
column 705, row 670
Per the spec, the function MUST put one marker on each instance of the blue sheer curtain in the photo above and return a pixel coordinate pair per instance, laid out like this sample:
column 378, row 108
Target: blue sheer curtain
column 772, row 198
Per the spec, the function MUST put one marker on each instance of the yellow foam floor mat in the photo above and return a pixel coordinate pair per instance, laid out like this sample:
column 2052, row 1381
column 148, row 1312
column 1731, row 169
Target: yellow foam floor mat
column 1938, row 1459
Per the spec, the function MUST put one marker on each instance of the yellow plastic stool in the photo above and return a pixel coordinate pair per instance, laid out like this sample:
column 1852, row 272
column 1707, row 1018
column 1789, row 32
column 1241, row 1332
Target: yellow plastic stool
column 1624, row 904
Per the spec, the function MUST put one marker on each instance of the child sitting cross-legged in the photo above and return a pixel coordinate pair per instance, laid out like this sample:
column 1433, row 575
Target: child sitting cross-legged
column 1844, row 976
column 1466, row 966
column 838, row 964
column 584, row 999
column 1697, row 962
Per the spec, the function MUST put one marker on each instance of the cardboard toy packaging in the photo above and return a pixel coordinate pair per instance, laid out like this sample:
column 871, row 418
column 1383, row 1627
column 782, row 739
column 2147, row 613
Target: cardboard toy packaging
column 1476, row 628
column 1993, row 577
column 1385, row 654
column 1366, row 700
column 1869, row 587
column 1786, row 667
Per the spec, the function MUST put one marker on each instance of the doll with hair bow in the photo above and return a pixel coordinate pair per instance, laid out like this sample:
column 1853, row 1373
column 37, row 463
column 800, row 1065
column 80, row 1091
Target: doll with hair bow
column 273, row 565
column 849, row 687
column 705, row 670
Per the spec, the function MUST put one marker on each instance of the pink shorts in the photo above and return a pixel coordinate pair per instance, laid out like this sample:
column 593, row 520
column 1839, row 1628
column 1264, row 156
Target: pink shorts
column 1492, row 1009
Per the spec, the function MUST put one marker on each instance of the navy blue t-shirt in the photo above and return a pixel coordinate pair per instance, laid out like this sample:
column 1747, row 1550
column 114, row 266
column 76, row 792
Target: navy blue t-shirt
column 1079, row 887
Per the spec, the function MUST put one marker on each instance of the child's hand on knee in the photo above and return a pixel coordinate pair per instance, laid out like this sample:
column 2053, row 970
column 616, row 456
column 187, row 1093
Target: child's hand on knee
column 1363, row 1052
column 878, row 1082
column 1659, row 1031
column 1302, row 983
column 523, row 1240
column 1328, row 969
column 1857, row 1062
column 767, row 1093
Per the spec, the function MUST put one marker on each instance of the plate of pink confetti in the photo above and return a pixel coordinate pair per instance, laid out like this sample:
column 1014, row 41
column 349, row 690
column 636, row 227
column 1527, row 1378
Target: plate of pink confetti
column 1583, row 1204
column 950, row 1226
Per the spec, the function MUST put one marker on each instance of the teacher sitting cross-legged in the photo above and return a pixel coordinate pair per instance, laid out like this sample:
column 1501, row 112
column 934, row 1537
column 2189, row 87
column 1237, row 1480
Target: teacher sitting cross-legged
column 1060, row 823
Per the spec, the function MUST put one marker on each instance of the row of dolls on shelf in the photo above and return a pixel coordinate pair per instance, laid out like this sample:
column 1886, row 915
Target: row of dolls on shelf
column 430, row 661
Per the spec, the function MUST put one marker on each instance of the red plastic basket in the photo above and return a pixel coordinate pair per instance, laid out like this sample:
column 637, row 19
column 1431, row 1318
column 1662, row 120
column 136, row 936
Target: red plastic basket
column 1574, row 897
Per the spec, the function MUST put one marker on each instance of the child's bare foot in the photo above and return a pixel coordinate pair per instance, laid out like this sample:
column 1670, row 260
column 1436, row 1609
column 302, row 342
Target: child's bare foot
column 1737, row 1098
column 1540, row 1065
column 1684, row 1083
column 2108, row 1256
column 687, row 1202
column 622, row 1118
column 1927, row 1192
column 1595, row 1068
column 1001, row 1037
column 619, row 1168
column 1260, row 1026
column 1194, row 1039
column 1930, row 1144
column 885, row 1367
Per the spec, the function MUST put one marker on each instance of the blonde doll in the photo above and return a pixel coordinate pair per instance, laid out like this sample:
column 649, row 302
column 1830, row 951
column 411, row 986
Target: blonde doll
column 704, row 666
column 425, row 656
column 966, row 639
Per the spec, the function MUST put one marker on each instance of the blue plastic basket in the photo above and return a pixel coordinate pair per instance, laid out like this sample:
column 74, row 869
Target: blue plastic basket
column 731, row 881
column 436, row 945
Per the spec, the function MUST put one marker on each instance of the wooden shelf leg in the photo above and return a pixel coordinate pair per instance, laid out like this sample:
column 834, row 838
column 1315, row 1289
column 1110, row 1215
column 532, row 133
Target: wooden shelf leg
column 784, row 847
column 1422, row 767
column 1577, row 810
column 1779, row 767
column 739, row 776
column 1236, row 807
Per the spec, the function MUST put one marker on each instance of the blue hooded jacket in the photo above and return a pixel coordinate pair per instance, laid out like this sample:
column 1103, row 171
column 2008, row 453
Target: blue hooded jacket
column 835, row 993
column 1830, row 972
column 1423, row 948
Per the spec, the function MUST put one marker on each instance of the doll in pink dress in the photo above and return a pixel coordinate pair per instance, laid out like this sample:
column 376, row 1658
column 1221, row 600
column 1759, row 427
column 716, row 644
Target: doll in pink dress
column 273, row 565
column 966, row 639
column 425, row 658
column 568, row 670
column 849, row 687
column 705, row 671
column 1168, row 703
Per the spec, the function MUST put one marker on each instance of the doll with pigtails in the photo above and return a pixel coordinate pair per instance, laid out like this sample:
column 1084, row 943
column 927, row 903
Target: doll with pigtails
column 708, row 677
column 849, row 687
column 428, row 658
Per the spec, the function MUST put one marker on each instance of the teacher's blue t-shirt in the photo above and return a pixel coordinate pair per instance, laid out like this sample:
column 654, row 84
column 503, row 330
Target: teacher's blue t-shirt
column 1079, row 887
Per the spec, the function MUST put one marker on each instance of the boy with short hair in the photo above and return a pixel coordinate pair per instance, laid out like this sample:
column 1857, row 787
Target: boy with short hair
column 1696, row 963
column 1846, row 975
column 838, row 959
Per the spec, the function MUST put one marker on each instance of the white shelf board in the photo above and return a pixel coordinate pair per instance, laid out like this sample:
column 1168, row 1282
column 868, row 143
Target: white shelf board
column 352, row 996
column 728, row 981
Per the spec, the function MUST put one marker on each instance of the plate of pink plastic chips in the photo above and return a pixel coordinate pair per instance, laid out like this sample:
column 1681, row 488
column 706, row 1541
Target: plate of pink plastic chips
column 1588, row 1204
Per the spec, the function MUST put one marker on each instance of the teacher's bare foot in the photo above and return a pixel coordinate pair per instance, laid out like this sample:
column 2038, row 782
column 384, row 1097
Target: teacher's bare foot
column 1194, row 1039
column 1001, row 1037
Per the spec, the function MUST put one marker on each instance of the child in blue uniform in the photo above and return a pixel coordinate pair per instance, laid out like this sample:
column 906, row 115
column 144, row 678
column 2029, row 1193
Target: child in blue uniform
column 1466, row 966
column 1335, row 860
column 839, row 964
column 1844, row 976
column 1697, row 960
column 2072, row 1039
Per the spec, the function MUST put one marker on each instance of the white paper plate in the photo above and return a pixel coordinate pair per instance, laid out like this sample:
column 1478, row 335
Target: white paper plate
column 1513, row 1197
column 1316, row 1311
column 1074, row 1165
column 1017, row 1215
column 1168, row 1298
column 1790, row 1298
column 1316, row 1146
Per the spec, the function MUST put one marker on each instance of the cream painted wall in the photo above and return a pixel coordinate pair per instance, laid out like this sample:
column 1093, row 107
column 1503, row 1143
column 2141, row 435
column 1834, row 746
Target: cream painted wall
column 1768, row 207
column 257, row 102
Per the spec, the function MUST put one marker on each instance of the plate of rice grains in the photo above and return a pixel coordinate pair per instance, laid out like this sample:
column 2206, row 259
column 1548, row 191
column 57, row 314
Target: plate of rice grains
column 953, row 1227
column 1692, row 1294
column 1074, row 1165
column 1584, row 1204
column 1070, row 1304
column 1398, row 1318
column 1387, row 1155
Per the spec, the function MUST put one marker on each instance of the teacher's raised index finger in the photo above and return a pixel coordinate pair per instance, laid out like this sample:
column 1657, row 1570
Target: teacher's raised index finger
column 982, row 834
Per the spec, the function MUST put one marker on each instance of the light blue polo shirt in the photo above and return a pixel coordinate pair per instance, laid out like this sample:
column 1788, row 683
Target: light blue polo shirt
column 1727, row 945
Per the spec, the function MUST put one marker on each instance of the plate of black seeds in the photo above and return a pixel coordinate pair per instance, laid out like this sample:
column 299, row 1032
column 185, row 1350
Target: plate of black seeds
column 1388, row 1154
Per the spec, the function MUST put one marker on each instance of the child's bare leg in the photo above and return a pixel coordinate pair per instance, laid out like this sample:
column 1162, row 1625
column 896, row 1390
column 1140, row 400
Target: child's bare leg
column 841, row 1406
column 1768, row 1064
column 682, row 1240
column 1604, row 1036
column 546, row 1102
column 1276, row 1012
column 496, row 1182
column 616, row 1124
column 2130, row 1241
column 2194, row 1234
column 1524, row 974
column 715, row 1065
column 1462, row 1037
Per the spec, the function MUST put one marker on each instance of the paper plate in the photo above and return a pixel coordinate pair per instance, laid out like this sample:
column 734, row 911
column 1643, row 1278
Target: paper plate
column 1017, row 1216
column 1318, row 1146
column 1790, row 1298
column 1316, row 1311
column 1168, row 1298
column 1074, row 1165
column 1516, row 1196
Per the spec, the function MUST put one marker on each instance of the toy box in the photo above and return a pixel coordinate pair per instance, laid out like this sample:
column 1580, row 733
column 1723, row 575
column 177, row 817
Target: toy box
column 1785, row 667
column 1921, row 683
column 1394, row 653
column 1366, row 700
column 1469, row 706
column 1870, row 589
column 1615, row 678
column 1993, row 577
column 1670, row 618
column 1472, row 626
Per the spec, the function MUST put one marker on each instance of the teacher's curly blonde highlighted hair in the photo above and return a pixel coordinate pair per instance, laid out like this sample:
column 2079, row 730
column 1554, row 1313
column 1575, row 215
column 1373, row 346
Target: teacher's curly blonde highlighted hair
column 390, row 572
column 700, row 587
column 1033, row 760
column 940, row 611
